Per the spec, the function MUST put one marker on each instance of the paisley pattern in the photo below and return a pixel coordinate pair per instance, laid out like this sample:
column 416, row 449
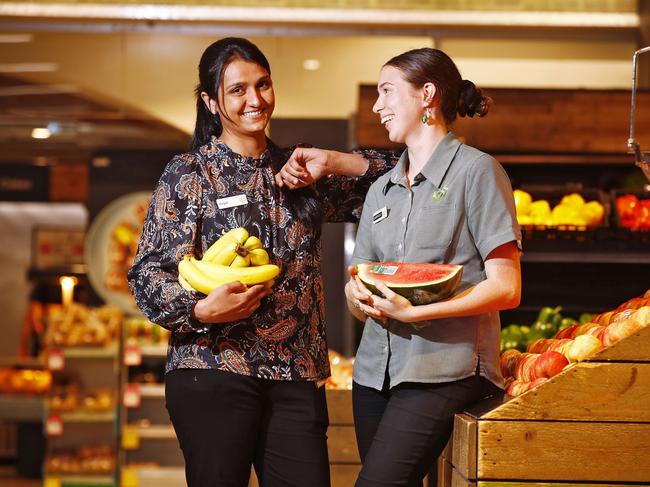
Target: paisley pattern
column 285, row 338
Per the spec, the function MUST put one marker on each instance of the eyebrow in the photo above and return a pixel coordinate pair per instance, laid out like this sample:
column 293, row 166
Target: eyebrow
column 379, row 87
column 237, row 83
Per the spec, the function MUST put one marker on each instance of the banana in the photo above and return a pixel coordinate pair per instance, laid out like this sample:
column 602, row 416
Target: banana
column 205, row 276
column 226, row 255
column 186, row 285
column 237, row 235
column 253, row 243
column 258, row 256
column 241, row 260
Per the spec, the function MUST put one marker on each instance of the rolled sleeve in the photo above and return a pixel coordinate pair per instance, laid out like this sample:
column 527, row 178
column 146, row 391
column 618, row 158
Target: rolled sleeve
column 491, row 209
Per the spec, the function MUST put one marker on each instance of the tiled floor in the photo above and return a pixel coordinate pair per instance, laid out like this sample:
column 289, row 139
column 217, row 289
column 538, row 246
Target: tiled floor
column 8, row 478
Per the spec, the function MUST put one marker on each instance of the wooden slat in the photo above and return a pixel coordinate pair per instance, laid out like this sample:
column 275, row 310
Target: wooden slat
column 612, row 391
column 447, row 452
column 633, row 348
column 339, row 406
column 344, row 475
column 457, row 480
column 342, row 445
column 444, row 473
column 563, row 451
column 536, row 120
column 463, row 456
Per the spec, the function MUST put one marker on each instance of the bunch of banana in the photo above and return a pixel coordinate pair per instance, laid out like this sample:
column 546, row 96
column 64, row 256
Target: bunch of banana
column 235, row 256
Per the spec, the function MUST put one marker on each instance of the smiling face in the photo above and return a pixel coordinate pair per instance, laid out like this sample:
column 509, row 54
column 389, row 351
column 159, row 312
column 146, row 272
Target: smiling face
column 246, row 99
column 399, row 105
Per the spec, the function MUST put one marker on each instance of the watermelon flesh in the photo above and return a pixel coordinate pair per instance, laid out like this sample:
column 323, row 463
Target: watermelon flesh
column 419, row 282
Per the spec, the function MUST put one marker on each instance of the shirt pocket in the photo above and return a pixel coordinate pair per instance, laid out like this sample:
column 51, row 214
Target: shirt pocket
column 434, row 226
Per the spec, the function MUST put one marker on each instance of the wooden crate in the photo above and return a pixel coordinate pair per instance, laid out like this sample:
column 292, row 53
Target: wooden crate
column 341, row 442
column 588, row 425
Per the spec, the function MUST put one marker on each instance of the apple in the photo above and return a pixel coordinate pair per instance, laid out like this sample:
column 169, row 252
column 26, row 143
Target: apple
column 642, row 315
column 525, row 370
column 517, row 387
column 561, row 345
column 549, row 363
column 508, row 362
column 582, row 329
column 567, row 332
column 622, row 315
column 536, row 382
column 582, row 347
column 619, row 330
column 539, row 345
column 604, row 318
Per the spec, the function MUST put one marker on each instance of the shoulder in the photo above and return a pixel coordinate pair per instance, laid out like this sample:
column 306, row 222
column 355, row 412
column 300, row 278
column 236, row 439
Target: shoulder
column 473, row 157
column 377, row 188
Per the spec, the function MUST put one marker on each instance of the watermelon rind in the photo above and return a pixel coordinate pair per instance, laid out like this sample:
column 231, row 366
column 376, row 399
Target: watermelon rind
column 418, row 292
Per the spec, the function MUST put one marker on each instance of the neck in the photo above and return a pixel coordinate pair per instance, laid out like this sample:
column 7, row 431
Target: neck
column 245, row 145
column 421, row 146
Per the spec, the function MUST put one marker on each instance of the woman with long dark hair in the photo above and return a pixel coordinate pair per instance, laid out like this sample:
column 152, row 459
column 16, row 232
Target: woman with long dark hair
column 246, row 365
column 444, row 203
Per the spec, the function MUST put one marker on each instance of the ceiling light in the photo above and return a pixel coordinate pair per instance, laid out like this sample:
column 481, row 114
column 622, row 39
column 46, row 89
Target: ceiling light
column 311, row 64
column 28, row 67
column 41, row 133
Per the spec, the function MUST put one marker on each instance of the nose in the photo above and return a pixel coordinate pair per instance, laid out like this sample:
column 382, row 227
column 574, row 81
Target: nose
column 254, row 97
column 378, row 106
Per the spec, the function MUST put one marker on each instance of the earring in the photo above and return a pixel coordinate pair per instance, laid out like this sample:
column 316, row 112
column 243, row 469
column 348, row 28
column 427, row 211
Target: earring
column 426, row 116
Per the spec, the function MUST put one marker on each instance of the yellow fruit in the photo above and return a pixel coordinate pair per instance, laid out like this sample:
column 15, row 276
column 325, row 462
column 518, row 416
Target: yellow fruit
column 186, row 285
column 524, row 220
column 241, row 261
column 226, row 255
column 236, row 235
column 592, row 213
column 564, row 215
column 522, row 201
column 540, row 209
column 258, row 257
column 574, row 199
column 253, row 243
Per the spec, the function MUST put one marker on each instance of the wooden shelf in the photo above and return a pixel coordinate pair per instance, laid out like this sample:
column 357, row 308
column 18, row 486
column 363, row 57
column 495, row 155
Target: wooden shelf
column 21, row 407
column 109, row 351
column 88, row 417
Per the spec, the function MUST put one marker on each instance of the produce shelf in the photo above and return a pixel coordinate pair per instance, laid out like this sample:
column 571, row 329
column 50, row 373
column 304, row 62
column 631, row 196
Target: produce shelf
column 587, row 257
column 109, row 351
column 155, row 432
column 150, row 390
column 88, row 417
column 588, row 424
column 155, row 476
column 153, row 350
column 79, row 480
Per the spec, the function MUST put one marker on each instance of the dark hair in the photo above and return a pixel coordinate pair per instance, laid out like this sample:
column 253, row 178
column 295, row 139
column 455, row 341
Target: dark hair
column 457, row 96
column 213, row 63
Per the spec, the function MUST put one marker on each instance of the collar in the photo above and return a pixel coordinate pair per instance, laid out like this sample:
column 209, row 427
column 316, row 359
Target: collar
column 243, row 161
column 435, row 168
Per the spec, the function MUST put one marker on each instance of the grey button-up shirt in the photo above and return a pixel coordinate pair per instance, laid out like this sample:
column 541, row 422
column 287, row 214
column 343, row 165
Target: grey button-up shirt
column 458, row 209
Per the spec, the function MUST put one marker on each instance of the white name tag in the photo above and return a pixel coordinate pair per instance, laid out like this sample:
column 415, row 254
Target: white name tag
column 230, row 201
column 379, row 215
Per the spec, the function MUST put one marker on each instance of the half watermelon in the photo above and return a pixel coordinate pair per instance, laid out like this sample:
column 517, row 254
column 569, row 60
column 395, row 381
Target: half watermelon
column 419, row 282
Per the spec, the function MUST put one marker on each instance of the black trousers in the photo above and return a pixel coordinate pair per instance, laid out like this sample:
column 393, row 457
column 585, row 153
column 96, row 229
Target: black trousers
column 402, row 431
column 225, row 422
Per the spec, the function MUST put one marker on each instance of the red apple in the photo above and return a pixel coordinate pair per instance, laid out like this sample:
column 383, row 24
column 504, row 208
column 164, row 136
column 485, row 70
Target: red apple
column 619, row 330
column 567, row 332
column 517, row 387
column 561, row 345
column 508, row 362
column 549, row 363
column 525, row 370
column 540, row 345
column 603, row 318
column 582, row 329
column 582, row 347
column 642, row 315
column 622, row 315
column 536, row 382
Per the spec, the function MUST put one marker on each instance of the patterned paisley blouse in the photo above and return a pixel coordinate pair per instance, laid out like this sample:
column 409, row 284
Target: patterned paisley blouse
column 285, row 338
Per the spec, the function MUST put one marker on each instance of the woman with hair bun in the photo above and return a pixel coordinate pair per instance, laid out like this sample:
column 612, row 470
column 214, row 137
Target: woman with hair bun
column 446, row 203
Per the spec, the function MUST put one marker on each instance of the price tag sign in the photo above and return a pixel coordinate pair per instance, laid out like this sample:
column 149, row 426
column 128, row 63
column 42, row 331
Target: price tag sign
column 132, row 355
column 55, row 359
column 52, row 482
column 129, row 477
column 130, row 438
column 132, row 397
column 53, row 425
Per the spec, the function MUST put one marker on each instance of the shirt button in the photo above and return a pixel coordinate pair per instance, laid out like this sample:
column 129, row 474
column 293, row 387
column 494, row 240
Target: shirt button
column 385, row 349
column 403, row 220
column 399, row 246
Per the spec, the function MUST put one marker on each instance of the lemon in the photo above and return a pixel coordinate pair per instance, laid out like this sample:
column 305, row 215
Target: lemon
column 524, row 220
column 564, row 214
column 574, row 199
column 522, row 201
column 592, row 213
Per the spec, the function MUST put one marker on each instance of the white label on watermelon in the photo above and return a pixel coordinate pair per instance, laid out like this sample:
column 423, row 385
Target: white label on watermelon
column 387, row 270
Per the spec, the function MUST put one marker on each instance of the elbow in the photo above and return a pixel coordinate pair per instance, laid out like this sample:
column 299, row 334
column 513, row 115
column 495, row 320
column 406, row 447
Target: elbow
column 512, row 299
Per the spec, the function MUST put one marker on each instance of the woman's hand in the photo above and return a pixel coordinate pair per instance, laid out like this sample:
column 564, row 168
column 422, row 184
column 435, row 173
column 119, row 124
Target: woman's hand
column 231, row 302
column 392, row 304
column 304, row 167
column 359, row 298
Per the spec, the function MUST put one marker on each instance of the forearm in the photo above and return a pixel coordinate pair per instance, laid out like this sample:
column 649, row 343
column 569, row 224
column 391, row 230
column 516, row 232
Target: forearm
column 346, row 164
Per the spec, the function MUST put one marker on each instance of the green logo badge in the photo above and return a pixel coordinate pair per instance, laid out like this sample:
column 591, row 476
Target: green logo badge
column 440, row 193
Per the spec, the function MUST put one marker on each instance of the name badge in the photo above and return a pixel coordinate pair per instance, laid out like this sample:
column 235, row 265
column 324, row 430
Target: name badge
column 230, row 201
column 379, row 215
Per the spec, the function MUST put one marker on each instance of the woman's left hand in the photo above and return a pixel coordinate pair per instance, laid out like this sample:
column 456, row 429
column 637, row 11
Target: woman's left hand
column 392, row 304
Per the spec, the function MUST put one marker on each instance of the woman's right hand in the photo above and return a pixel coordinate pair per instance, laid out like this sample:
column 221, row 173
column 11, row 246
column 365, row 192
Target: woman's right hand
column 359, row 298
column 231, row 302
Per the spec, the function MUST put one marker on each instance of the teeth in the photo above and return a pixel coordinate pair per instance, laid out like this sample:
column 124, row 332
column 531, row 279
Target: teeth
column 253, row 114
column 387, row 119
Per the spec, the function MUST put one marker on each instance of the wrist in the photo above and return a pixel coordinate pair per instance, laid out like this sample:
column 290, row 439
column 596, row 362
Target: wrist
column 197, row 311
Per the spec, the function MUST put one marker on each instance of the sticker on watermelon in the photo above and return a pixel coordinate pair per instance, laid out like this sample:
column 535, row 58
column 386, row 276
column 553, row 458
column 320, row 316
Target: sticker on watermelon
column 419, row 282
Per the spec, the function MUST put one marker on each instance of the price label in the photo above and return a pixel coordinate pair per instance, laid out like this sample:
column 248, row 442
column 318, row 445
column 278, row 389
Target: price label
column 52, row 482
column 132, row 396
column 132, row 355
column 54, row 425
column 129, row 477
column 55, row 359
column 130, row 438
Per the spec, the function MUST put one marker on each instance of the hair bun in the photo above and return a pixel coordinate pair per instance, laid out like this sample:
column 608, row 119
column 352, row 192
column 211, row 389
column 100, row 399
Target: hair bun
column 472, row 101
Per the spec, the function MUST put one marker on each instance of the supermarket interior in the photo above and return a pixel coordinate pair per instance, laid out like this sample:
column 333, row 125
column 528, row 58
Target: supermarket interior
column 97, row 97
